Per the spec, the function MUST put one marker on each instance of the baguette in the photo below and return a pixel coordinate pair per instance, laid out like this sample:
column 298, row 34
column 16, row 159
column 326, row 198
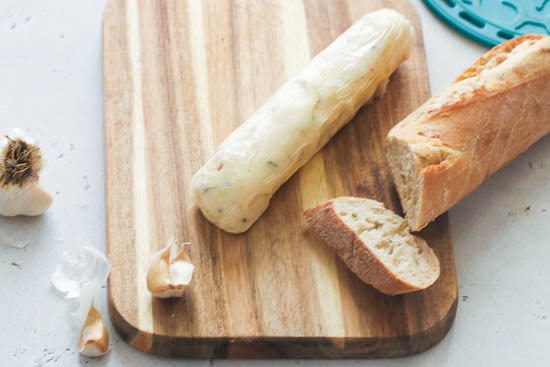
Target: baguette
column 235, row 185
column 375, row 243
column 491, row 113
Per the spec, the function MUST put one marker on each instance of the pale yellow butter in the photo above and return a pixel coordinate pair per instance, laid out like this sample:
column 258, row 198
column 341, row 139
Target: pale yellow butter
column 235, row 186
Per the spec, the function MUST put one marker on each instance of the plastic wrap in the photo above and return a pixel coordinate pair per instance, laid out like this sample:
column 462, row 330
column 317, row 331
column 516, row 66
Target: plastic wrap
column 235, row 186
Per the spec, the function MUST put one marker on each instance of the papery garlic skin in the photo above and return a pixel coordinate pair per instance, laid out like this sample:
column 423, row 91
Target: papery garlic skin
column 28, row 197
column 94, row 338
column 81, row 269
column 170, row 271
column 92, row 350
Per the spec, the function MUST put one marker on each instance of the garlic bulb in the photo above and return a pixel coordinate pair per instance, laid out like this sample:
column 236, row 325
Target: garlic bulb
column 94, row 338
column 21, row 163
column 170, row 271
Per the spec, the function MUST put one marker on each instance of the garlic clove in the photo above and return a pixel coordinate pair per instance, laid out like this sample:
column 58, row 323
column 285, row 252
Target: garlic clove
column 39, row 200
column 21, row 163
column 94, row 338
column 31, row 201
column 170, row 271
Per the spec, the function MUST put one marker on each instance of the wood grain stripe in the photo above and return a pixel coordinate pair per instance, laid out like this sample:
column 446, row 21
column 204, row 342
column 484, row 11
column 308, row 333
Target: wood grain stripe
column 322, row 267
column 296, row 44
column 322, row 259
column 268, row 259
column 200, row 71
column 139, row 186
column 120, row 222
column 221, row 68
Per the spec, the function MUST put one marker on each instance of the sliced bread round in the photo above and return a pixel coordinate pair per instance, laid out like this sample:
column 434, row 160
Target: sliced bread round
column 375, row 243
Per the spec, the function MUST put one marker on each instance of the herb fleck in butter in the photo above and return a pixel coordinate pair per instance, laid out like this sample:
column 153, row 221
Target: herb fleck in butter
column 272, row 164
column 208, row 188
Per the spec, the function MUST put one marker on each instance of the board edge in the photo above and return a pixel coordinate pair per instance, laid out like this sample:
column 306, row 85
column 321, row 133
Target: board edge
column 275, row 347
column 247, row 347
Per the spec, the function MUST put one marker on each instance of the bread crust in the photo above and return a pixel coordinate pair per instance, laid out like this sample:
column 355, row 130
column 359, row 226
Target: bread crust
column 456, row 140
column 325, row 223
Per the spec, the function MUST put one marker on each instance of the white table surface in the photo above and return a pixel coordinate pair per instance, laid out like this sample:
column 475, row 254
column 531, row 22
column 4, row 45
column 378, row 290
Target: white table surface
column 50, row 75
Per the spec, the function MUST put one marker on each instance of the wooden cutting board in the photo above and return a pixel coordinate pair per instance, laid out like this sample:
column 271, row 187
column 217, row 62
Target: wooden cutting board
column 179, row 76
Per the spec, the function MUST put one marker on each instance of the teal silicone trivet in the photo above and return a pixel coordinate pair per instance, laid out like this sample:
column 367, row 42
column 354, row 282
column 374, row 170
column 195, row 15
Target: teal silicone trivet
column 491, row 22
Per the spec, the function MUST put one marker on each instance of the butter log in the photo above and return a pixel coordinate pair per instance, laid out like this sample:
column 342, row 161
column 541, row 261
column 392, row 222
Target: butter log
column 235, row 186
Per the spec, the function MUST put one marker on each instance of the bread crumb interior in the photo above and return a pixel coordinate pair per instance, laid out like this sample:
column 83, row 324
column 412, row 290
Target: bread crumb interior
column 388, row 237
